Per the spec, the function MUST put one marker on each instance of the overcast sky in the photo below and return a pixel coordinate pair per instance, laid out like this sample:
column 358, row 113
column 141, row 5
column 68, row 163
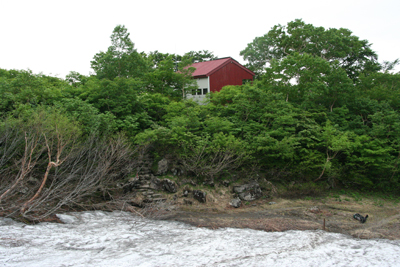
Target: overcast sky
column 57, row 36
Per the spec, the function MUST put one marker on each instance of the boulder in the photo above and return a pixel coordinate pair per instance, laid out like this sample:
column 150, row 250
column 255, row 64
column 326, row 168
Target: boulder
column 236, row 202
column 169, row 186
column 199, row 196
column 155, row 183
column 162, row 167
column 248, row 192
column 185, row 193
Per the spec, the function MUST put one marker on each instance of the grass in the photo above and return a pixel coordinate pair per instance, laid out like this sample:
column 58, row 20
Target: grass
column 377, row 199
column 378, row 202
column 337, row 198
column 356, row 196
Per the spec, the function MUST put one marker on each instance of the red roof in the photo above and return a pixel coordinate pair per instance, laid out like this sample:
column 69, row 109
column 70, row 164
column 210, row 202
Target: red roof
column 205, row 69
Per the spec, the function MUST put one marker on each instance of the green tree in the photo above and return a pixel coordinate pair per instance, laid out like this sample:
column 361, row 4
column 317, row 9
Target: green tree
column 90, row 119
column 121, row 59
column 200, row 56
column 157, row 57
column 383, row 87
column 309, row 80
column 75, row 79
column 166, row 80
column 334, row 142
column 21, row 87
column 353, row 55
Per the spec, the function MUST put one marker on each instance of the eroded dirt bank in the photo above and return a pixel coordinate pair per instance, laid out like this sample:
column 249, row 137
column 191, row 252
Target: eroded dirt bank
column 283, row 215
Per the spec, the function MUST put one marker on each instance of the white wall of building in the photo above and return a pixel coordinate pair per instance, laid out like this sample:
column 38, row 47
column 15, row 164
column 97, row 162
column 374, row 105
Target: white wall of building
column 204, row 88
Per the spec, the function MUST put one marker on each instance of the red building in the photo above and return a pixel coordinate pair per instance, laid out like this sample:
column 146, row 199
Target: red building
column 212, row 75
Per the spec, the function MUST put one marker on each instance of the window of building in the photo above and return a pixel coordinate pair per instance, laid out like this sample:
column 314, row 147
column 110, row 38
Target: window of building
column 200, row 91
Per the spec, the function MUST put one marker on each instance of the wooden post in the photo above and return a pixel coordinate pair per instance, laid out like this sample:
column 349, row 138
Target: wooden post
column 324, row 225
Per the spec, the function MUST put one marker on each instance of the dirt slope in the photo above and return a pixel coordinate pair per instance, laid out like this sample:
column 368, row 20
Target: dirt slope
column 284, row 214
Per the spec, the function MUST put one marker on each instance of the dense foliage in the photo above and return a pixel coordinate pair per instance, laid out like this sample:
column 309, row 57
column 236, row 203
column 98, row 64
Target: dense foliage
column 322, row 110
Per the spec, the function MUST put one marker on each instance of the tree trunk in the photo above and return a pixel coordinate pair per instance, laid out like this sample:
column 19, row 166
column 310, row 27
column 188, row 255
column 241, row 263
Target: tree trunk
column 49, row 166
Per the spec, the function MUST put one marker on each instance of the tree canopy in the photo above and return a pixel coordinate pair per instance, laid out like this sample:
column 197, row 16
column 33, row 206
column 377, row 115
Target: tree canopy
column 355, row 56
column 121, row 58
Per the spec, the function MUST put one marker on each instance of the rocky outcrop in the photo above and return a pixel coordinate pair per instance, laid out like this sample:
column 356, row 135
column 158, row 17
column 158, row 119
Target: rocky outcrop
column 236, row 202
column 147, row 185
column 248, row 192
column 145, row 163
column 162, row 167
column 169, row 186
column 186, row 192
column 146, row 181
column 200, row 196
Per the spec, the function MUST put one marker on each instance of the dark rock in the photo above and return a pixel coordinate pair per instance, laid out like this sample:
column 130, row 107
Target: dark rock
column 169, row 186
column 185, row 193
column 155, row 183
column 249, row 196
column 145, row 181
column 241, row 188
column 248, row 192
column 236, row 202
column 199, row 196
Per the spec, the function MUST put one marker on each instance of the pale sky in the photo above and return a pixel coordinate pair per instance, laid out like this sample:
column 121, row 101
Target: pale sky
column 57, row 36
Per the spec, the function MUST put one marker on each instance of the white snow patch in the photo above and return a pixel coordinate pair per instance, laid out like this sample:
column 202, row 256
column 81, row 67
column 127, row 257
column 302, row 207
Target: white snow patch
column 68, row 219
column 122, row 239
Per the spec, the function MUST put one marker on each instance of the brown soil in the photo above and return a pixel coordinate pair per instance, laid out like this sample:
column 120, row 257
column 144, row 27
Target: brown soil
column 285, row 214
column 383, row 221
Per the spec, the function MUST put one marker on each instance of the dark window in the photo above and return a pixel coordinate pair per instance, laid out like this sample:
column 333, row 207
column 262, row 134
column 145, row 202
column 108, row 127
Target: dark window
column 205, row 91
column 198, row 91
